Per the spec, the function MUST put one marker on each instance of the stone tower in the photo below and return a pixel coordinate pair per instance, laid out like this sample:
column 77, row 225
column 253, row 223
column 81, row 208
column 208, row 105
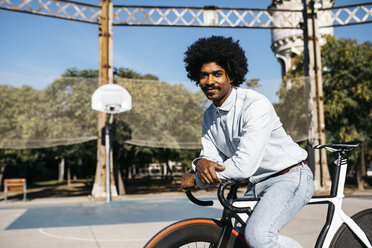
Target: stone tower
column 288, row 43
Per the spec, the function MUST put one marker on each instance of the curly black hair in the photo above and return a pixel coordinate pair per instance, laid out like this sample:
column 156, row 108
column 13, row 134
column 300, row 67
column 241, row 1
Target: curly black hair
column 221, row 50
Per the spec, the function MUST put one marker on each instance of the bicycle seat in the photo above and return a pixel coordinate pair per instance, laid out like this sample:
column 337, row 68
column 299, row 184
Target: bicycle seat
column 347, row 146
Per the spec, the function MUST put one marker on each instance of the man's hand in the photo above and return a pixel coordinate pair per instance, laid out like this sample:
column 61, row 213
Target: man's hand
column 188, row 182
column 207, row 171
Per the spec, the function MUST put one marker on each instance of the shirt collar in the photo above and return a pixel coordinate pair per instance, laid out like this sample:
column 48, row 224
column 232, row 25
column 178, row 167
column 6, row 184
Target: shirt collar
column 229, row 103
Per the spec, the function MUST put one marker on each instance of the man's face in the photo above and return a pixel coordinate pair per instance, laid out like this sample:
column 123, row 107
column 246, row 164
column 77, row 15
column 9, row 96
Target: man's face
column 215, row 83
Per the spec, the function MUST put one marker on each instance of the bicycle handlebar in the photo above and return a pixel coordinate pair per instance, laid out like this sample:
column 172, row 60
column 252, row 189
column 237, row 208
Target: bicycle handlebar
column 225, row 203
column 197, row 201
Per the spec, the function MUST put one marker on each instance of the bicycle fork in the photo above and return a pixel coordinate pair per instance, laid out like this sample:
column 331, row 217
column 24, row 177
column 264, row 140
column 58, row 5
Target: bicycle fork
column 226, row 218
column 226, row 231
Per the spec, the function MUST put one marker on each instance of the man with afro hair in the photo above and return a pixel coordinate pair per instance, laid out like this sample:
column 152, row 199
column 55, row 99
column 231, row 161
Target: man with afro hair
column 243, row 138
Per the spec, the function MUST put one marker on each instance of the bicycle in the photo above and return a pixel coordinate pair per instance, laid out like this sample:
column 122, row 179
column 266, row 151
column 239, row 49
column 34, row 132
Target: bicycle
column 339, row 229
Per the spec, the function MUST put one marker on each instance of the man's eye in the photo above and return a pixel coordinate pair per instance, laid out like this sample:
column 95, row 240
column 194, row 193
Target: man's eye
column 217, row 74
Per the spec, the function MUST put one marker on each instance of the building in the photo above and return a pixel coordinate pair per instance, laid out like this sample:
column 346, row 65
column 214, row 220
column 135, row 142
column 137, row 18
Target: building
column 289, row 43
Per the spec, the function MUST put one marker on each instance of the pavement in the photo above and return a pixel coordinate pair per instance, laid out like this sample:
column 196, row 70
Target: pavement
column 130, row 221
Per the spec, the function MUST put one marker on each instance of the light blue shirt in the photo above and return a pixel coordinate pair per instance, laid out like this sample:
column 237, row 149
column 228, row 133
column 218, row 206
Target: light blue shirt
column 246, row 135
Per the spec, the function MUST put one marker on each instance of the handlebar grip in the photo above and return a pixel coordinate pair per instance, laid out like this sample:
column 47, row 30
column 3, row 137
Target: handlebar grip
column 197, row 201
column 224, row 201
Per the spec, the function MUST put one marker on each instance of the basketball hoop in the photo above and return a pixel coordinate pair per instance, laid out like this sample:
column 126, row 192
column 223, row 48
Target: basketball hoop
column 110, row 99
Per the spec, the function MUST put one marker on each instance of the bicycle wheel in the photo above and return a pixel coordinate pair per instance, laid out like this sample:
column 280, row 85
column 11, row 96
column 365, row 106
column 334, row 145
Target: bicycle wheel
column 344, row 237
column 194, row 233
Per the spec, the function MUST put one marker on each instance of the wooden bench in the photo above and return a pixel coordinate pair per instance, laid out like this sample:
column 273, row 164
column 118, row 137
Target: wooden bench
column 15, row 184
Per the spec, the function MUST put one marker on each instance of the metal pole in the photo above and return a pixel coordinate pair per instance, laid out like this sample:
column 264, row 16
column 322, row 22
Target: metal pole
column 107, row 145
column 320, row 131
column 310, row 150
column 313, row 74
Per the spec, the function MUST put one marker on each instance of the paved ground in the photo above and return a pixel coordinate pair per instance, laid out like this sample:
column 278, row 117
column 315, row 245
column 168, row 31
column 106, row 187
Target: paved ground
column 129, row 221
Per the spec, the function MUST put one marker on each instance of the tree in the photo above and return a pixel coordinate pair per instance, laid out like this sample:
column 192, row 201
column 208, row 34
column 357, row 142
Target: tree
column 7, row 158
column 70, row 112
column 20, row 127
column 23, row 113
column 36, row 119
column 128, row 73
column 123, row 154
column 293, row 116
column 347, row 93
column 163, row 115
column 348, row 88
column 164, row 118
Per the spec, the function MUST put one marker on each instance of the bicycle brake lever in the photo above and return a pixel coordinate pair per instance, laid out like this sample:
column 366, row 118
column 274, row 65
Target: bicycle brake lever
column 197, row 201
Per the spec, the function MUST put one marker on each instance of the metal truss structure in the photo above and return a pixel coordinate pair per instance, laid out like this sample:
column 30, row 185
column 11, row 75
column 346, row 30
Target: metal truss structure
column 208, row 16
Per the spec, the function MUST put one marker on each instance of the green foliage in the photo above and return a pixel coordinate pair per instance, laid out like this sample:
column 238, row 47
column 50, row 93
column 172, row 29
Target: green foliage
column 292, row 108
column 347, row 90
column 128, row 73
column 19, row 123
column 73, row 72
column 69, row 108
column 164, row 116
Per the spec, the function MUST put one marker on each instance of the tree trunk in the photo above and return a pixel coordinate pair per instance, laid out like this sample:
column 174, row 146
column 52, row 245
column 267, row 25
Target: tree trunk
column 361, row 169
column 169, row 171
column 121, row 185
column 2, row 169
column 162, row 170
column 118, row 166
column 61, row 172
column 68, row 174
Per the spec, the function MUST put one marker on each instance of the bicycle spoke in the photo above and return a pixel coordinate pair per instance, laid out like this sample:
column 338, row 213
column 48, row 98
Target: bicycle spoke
column 198, row 245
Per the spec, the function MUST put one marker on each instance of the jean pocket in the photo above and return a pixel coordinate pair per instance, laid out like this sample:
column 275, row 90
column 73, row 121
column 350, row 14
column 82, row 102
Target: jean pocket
column 310, row 188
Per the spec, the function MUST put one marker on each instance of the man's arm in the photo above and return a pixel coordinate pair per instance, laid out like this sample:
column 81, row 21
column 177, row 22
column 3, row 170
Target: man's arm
column 206, row 174
column 210, row 160
column 257, row 128
column 208, row 163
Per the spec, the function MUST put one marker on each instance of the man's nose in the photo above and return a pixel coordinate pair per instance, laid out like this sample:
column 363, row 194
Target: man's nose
column 210, row 79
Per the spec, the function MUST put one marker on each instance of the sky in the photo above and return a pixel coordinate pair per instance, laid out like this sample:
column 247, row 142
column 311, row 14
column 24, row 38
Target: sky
column 35, row 50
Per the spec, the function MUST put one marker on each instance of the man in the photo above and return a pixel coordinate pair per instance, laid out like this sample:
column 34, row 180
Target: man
column 242, row 137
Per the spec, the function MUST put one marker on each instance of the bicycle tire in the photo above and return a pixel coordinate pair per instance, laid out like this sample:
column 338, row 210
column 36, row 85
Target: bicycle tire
column 345, row 238
column 191, row 232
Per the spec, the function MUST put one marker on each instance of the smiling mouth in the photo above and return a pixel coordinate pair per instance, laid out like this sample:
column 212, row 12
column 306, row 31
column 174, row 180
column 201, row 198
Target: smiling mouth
column 210, row 92
column 210, row 89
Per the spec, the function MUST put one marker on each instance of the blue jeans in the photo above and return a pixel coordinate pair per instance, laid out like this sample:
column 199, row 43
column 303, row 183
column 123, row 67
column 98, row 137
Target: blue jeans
column 281, row 197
